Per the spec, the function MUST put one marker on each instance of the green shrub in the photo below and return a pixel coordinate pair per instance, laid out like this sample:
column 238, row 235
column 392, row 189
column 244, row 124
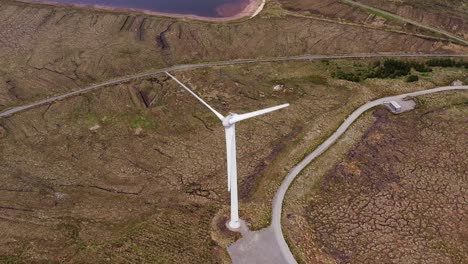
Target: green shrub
column 325, row 61
column 420, row 67
column 412, row 78
column 141, row 122
column 391, row 69
column 446, row 63
column 339, row 74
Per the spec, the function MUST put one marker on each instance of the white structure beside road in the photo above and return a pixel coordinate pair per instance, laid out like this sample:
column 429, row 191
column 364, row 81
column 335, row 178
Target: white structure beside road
column 394, row 106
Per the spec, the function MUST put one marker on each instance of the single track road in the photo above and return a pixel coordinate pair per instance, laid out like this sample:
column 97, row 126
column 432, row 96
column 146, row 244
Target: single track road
column 212, row 64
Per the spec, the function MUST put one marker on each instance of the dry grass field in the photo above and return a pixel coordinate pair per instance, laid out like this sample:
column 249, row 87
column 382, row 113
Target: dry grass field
column 393, row 189
column 450, row 15
column 47, row 50
column 135, row 172
column 335, row 9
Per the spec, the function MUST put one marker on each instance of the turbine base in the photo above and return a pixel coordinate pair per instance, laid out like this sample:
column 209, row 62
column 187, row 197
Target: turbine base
column 234, row 224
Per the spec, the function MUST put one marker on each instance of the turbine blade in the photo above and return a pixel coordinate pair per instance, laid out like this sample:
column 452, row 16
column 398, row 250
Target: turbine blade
column 220, row 116
column 241, row 117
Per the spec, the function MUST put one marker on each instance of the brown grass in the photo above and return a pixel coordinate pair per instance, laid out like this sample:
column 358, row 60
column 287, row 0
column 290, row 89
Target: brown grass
column 389, row 190
column 110, row 176
column 48, row 50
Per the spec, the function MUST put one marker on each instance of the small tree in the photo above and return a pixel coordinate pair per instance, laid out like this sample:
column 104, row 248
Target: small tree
column 421, row 67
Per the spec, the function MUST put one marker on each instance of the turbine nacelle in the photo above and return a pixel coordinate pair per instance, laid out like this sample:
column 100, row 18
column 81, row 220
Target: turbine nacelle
column 227, row 120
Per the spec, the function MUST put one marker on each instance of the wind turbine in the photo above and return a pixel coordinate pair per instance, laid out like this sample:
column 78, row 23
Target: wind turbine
column 229, row 123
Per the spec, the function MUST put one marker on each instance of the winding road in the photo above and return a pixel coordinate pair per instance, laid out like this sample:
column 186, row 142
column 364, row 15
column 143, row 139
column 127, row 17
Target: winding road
column 211, row 64
column 279, row 197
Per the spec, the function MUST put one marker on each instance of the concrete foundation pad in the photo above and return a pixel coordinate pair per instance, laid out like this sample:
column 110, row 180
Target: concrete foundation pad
column 259, row 247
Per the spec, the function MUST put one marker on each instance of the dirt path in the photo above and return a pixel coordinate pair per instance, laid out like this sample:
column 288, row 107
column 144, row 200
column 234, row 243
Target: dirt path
column 211, row 64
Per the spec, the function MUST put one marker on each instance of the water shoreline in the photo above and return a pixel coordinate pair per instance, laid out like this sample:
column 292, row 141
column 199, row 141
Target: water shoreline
column 249, row 11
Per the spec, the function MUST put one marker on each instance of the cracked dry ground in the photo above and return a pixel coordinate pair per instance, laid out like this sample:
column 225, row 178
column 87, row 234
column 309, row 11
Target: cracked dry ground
column 399, row 196
column 47, row 50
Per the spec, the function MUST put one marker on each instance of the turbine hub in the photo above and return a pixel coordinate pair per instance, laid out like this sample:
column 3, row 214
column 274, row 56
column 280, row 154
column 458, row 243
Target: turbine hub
column 227, row 120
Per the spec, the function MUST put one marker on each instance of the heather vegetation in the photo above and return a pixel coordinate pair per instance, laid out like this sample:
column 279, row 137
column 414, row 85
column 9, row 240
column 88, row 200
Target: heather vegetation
column 449, row 15
column 446, row 62
column 412, row 78
column 48, row 50
column 135, row 173
column 443, row 14
column 392, row 189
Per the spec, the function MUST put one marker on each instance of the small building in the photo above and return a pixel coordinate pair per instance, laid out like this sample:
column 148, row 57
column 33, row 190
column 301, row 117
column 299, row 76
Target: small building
column 396, row 107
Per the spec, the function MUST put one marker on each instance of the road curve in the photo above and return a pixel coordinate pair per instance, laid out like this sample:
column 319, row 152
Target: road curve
column 433, row 29
column 211, row 64
column 280, row 194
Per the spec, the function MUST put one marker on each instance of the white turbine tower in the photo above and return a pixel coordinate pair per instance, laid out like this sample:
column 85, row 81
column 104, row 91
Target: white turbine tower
column 229, row 123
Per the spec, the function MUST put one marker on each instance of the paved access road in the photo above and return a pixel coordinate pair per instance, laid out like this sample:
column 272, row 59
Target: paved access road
column 211, row 64
column 433, row 29
column 279, row 197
